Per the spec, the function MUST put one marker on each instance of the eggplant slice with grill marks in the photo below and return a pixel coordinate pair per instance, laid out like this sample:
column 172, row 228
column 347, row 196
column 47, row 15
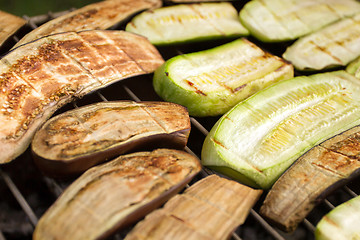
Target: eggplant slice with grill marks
column 335, row 45
column 78, row 139
column 100, row 15
column 315, row 175
column 210, row 209
column 9, row 24
column 111, row 196
column 39, row 77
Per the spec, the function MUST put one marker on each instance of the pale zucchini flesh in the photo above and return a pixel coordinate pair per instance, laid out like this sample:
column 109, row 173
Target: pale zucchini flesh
column 354, row 67
column 188, row 22
column 263, row 135
column 334, row 45
column 283, row 20
column 342, row 223
column 211, row 82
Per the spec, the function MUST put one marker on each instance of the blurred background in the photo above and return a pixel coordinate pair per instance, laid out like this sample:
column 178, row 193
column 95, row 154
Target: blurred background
column 38, row 7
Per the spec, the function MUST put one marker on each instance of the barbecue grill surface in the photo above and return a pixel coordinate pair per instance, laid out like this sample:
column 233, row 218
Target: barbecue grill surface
column 26, row 193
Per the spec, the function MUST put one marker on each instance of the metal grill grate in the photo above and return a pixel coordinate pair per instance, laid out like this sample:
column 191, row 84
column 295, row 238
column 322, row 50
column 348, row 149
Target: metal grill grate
column 26, row 193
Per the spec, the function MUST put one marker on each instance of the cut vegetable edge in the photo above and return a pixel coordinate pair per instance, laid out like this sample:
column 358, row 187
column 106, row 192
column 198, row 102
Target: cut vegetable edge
column 341, row 223
column 140, row 24
column 170, row 87
column 212, row 152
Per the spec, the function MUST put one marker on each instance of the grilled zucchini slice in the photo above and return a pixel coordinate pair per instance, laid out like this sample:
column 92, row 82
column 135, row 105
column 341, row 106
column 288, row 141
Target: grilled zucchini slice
column 283, row 20
column 354, row 67
column 188, row 23
column 258, row 139
column 341, row 223
column 335, row 45
column 212, row 81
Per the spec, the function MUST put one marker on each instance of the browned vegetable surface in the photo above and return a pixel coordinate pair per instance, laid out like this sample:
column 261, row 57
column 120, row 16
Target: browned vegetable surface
column 39, row 77
column 78, row 139
column 210, row 209
column 9, row 24
column 113, row 195
column 312, row 178
column 101, row 15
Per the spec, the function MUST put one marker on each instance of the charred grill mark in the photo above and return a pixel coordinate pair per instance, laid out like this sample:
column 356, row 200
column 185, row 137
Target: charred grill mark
column 14, row 97
column 227, row 118
column 239, row 88
column 205, row 18
column 6, row 81
column 136, row 168
column 219, row 75
column 153, row 118
column 51, row 53
column 71, row 21
column 325, row 50
column 103, row 45
column 336, row 163
column 219, row 143
column 197, row 90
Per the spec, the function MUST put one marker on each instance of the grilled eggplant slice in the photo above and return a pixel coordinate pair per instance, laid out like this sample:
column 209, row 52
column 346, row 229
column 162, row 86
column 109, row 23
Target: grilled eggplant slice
column 38, row 78
column 113, row 195
column 188, row 23
column 258, row 139
column 354, row 67
column 313, row 177
column 76, row 140
column 212, row 208
column 9, row 24
column 100, row 15
column 341, row 223
column 283, row 20
column 211, row 82
column 333, row 46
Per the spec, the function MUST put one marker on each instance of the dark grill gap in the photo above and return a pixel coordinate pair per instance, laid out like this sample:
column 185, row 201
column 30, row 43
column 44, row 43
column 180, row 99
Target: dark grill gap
column 26, row 193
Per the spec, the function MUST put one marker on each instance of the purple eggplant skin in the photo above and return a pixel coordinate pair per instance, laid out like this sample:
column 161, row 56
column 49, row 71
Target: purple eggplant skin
column 40, row 77
column 314, row 176
column 76, row 140
column 113, row 195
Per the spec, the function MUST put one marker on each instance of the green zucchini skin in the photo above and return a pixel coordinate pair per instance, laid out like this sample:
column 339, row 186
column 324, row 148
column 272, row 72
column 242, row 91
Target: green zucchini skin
column 283, row 20
column 335, row 45
column 185, row 23
column 354, row 67
column 262, row 136
column 211, row 82
column 341, row 223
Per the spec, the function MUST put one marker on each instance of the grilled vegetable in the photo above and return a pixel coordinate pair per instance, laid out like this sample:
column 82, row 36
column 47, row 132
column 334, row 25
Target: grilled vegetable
column 211, row 82
column 188, row 22
column 210, row 209
column 111, row 196
column 258, row 139
column 354, row 67
column 195, row 1
column 335, row 45
column 100, row 15
column 76, row 140
column 341, row 223
column 283, row 20
column 9, row 24
column 39, row 77
column 313, row 177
